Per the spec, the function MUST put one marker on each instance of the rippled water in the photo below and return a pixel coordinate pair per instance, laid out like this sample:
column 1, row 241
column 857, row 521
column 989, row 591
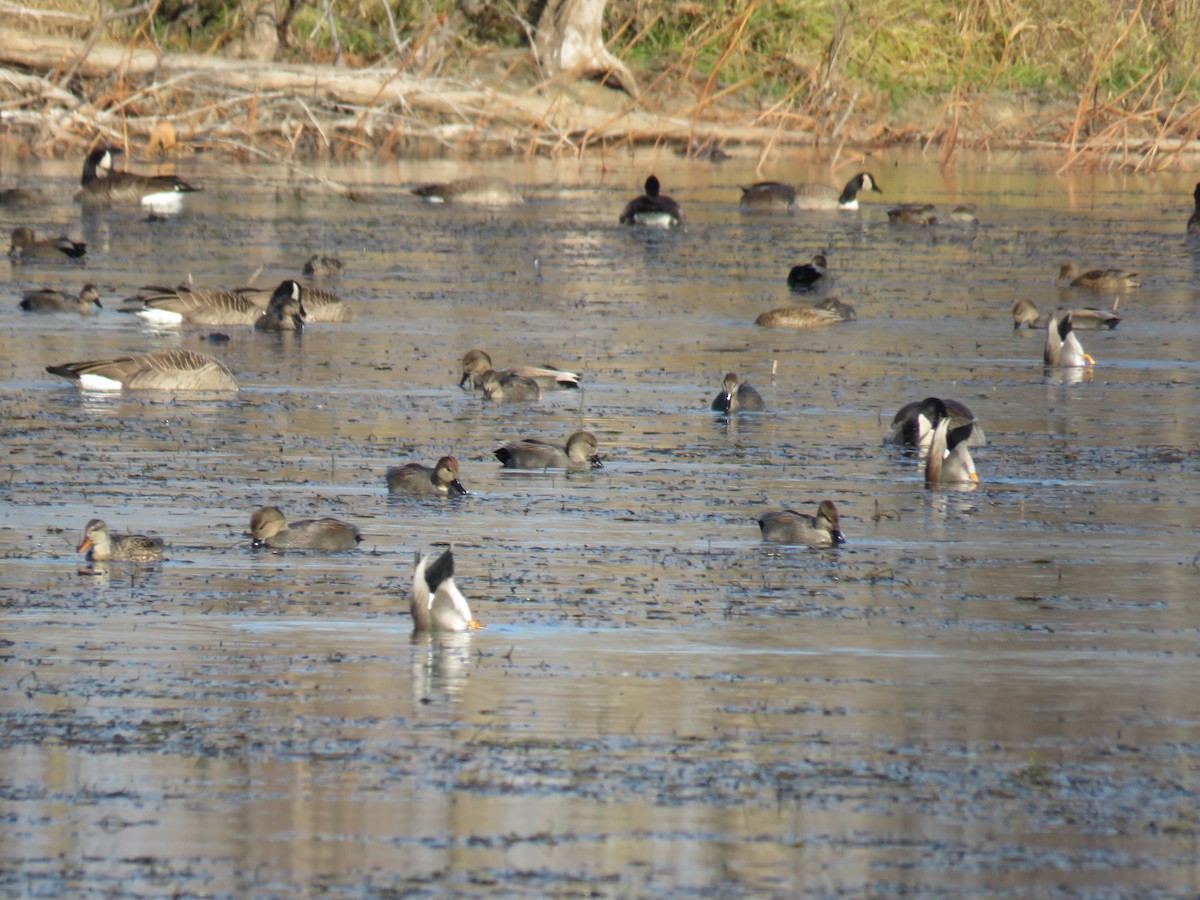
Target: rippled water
column 985, row 693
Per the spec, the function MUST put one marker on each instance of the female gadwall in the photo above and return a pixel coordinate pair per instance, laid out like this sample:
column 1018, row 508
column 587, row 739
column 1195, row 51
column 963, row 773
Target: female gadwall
column 1193, row 223
column 652, row 208
column 914, row 424
column 737, row 396
column 476, row 364
column 285, row 311
column 830, row 311
column 166, row 370
column 1025, row 313
column 810, row 277
column 102, row 185
column 786, row 526
column 440, row 480
column 321, row 266
column 776, row 195
column 949, row 459
column 100, row 546
column 1097, row 279
column 437, row 603
column 1062, row 346
column 49, row 301
column 482, row 190
column 913, row 214
column 320, row 305
column 25, row 246
column 531, row 453
column 270, row 529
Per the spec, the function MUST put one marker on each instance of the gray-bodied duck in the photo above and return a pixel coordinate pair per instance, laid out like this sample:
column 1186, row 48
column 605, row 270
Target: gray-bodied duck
column 100, row 546
column 653, row 208
column 775, row 195
column 437, row 603
column 913, row 214
column 322, row 266
column 579, row 454
column 786, row 526
column 511, row 388
column 1026, row 314
column 25, row 247
column 476, row 364
column 481, row 190
column 102, row 185
column 949, row 459
column 46, row 300
column 737, row 396
column 1097, row 279
column 269, row 528
column 830, row 311
column 166, row 370
column 438, row 480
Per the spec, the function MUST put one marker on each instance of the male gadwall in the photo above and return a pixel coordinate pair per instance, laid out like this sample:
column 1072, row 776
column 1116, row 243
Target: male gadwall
column 1062, row 346
column 1193, row 223
column 810, row 277
column 166, row 370
column 737, row 396
column 499, row 388
column 830, row 311
column 1025, row 313
column 50, row 301
column 439, row 480
column 476, row 364
column 102, row 185
column 321, row 266
column 25, row 246
column 483, row 190
column 776, row 195
column 1097, row 279
column 914, row 424
column 652, row 208
column 786, row 526
column 320, row 305
column 437, row 603
column 285, row 311
column 531, row 453
column 913, row 214
column 100, row 546
column 270, row 529
column 949, row 459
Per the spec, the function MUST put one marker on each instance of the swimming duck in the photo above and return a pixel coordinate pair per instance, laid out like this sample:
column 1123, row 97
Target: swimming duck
column 26, row 247
column 786, row 526
column 810, row 277
column 320, row 305
column 914, row 423
column 102, row 185
column 285, row 312
column 185, row 306
column 949, row 459
column 100, row 546
column 510, row 388
column 1062, row 346
column 531, row 453
column 47, row 301
column 737, row 396
column 441, row 479
column 778, row 196
column 830, row 311
column 166, row 370
column 913, row 214
column 437, row 603
column 270, row 529
column 1025, row 313
column 1193, row 223
column 21, row 197
column 482, row 190
column 319, row 266
column 1097, row 279
column 652, row 208
column 476, row 364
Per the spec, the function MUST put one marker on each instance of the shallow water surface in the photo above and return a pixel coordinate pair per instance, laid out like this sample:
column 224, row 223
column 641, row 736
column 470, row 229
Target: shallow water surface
column 983, row 693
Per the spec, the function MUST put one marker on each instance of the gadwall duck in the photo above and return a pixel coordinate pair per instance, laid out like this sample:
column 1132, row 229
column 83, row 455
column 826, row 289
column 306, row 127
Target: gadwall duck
column 25, row 247
column 652, row 208
column 786, row 526
column 1025, row 313
column 102, row 185
column 100, row 546
column 949, row 459
column 166, row 370
column 1062, row 346
column 483, row 190
column 829, row 311
column 810, row 277
column 21, row 197
column 1097, row 279
column 50, row 301
column 437, row 603
column 914, row 423
column 1193, row 223
column 185, row 306
column 476, row 364
column 913, row 214
column 269, row 528
column 531, row 453
column 776, row 195
column 319, row 266
column 737, row 396
column 285, row 311
column 320, row 305
column 500, row 388
column 439, row 480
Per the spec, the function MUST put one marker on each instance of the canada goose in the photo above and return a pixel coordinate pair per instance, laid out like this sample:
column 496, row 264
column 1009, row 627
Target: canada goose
column 1097, row 279
column 914, row 423
column 483, row 190
column 437, row 603
column 184, row 306
column 767, row 195
column 531, row 453
column 166, row 370
column 949, row 459
column 285, row 312
column 441, row 479
column 25, row 247
column 1062, row 346
column 102, row 185
column 320, row 305
column 476, row 363
column 652, row 208
column 737, row 396
column 270, row 529
column 786, row 526
column 47, row 301
column 829, row 311
column 1025, row 313
column 100, row 546
column 510, row 388
column 810, row 277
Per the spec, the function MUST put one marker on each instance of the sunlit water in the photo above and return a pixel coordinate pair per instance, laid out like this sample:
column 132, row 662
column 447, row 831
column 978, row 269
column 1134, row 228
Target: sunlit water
column 987, row 693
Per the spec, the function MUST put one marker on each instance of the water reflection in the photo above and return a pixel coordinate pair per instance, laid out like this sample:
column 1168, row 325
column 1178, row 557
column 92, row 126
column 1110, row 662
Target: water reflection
column 440, row 665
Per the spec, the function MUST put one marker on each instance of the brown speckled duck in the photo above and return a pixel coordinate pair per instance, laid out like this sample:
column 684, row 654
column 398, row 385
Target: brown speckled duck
column 786, row 526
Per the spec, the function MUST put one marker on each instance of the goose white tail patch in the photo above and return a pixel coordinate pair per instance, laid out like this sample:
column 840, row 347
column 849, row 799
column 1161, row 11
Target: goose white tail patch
column 853, row 204
column 99, row 383
column 160, row 316
column 654, row 219
column 164, row 201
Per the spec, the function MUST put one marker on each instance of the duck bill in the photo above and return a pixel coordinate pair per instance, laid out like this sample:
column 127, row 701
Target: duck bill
column 597, row 462
column 465, row 381
column 727, row 403
column 457, row 488
column 84, row 546
column 838, row 538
